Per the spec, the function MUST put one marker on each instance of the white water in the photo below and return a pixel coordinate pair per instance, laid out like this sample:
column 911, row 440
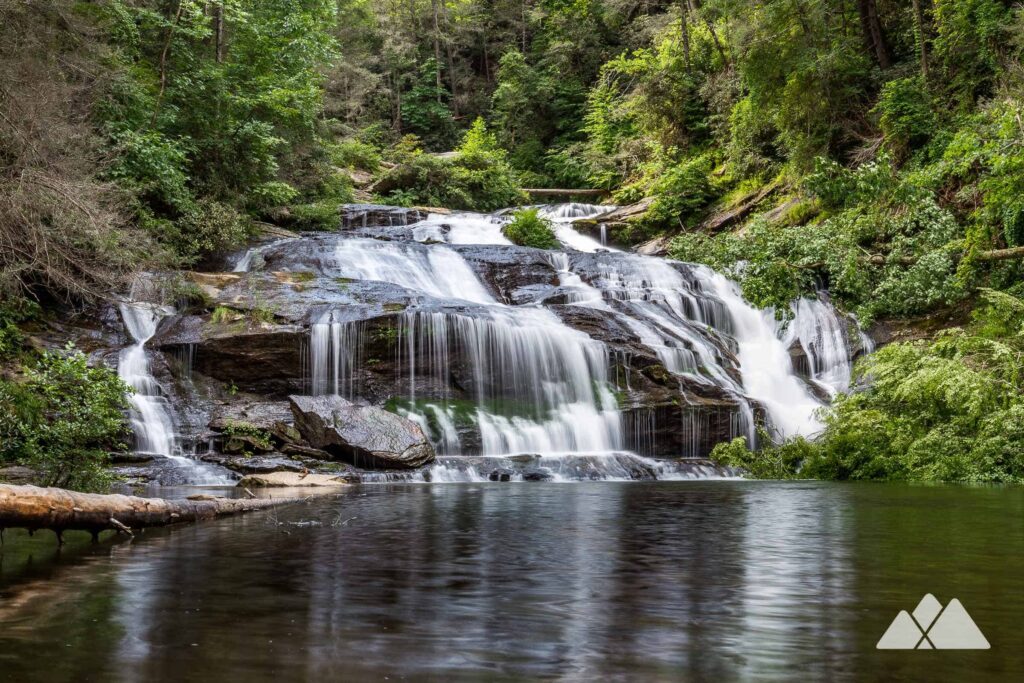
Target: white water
column 475, row 228
column 593, row 467
column 549, row 381
column 435, row 270
column 824, row 338
column 150, row 414
column 540, row 386
column 766, row 366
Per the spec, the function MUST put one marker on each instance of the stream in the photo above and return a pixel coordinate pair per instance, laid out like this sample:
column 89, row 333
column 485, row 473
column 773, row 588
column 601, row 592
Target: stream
column 637, row 581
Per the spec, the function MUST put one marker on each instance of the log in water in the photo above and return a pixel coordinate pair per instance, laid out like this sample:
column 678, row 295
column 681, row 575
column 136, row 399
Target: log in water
column 33, row 507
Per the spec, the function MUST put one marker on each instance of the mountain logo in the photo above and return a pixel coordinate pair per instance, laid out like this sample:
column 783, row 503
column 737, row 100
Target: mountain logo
column 933, row 628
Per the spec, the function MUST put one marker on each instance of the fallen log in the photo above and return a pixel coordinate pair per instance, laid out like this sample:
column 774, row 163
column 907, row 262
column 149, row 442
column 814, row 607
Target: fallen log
column 59, row 510
column 556, row 192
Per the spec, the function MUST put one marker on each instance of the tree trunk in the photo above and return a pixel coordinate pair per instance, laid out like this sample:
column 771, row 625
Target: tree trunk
column 695, row 8
column 873, row 34
column 920, row 28
column 437, row 50
column 684, row 31
column 33, row 507
column 163, row 62
column 451, row 58
column 218, row 24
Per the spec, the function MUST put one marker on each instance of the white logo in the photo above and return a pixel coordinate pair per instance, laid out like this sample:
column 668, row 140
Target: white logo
column 933, row 628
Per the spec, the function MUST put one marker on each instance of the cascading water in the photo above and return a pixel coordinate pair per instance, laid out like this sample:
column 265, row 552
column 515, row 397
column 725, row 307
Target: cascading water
column 150, row 415
column 496, row 370
column 540, row 386
column 150, row 418
column 825, row 340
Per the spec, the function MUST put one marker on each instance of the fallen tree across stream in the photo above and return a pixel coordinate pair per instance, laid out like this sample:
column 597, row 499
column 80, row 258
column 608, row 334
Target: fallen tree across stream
column 59, row 510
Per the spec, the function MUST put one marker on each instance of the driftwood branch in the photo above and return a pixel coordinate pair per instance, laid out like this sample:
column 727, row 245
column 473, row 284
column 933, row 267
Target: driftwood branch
column 59, row 510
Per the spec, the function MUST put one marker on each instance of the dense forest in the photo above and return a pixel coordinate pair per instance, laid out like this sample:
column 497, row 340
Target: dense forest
column 871, row 148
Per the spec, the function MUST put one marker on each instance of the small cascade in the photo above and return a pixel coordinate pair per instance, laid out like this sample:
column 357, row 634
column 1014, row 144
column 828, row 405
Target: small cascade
column 623, row 466
column 574, row 211
column 538, row 386
column 564, row 215
column 765, row 365
column 825, row 338
column 150, row 413
column 434, row 270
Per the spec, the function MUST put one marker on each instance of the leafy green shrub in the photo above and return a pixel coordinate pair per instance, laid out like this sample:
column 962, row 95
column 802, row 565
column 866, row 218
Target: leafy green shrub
column 479, row 178
column 529, row 229
column 63, row 419
column 906, row 116
column 355, row 154
column 261, row 438
column 320, row 215
column 210, row 227
column 771, row 462
column 12, row 313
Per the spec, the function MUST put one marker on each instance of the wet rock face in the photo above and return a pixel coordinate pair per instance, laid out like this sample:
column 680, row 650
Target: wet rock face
column 379, row 215
column 366, row 436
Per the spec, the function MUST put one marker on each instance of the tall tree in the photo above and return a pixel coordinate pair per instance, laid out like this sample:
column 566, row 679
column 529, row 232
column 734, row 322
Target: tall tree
column 874, row 36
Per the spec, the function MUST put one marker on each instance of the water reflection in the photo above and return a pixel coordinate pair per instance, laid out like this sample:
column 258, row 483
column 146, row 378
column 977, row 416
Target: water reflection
column 712, row 581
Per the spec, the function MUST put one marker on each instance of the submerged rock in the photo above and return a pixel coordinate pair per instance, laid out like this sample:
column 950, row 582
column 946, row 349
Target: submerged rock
column 291, row 479
column 255, row 464
column 363, row 435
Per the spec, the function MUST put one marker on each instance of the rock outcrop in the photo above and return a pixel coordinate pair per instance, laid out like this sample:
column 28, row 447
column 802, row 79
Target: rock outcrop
column 366, row 436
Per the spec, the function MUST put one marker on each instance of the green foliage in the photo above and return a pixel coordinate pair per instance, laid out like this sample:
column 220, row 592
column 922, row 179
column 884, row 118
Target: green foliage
column 479, row 178
column 945, row 410
column 208, row 227
column 355, row 154
column 529, row 229
column 14, row 313
column 197, row 133
column 681, row 191
column 425, row 111
column 888, row 249
column 906, row 115
column 969, row 40
column 222, row 315
column 771, row 462
column 63, row 419
column 534, row 106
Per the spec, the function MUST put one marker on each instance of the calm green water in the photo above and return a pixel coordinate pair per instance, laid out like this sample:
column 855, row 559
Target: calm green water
column 697, row 581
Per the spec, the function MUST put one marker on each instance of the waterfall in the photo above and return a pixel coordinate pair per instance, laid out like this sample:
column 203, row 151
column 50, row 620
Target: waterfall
column 765, row 365
column 150, row 415
column 517, row 379
column 150, row 412
column 538, row 385
column 825, row 340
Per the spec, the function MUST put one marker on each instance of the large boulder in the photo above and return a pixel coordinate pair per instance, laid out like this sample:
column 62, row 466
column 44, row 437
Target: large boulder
column 366, row 436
